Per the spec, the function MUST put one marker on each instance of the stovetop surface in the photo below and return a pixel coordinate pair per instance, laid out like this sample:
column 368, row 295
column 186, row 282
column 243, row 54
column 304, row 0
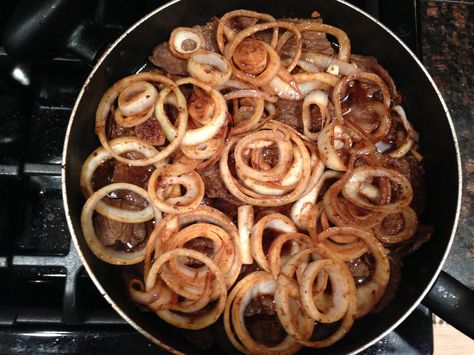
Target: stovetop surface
column 48, row 303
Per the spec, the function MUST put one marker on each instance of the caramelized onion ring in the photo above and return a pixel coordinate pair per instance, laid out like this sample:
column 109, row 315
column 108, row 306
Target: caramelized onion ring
column 327, row 142
column 193, row 322
column 98, row 157
column 258, row 199
column 109, row 255
column 274, row 221
column 340, row 89
column 272, row 68
column 319, row 98
column 247, row 289
column 182, row 34
column 408, row 229
column 411, row 135
column 245, row 13
column 276, row 261
column 197, row 135
column 135, row 104
column 210, row 68
column 300, row 211
column 340, row 279
column 158, row 185
column 111, row 95
column 338, row 212
column 361, row 174
column 342, row 38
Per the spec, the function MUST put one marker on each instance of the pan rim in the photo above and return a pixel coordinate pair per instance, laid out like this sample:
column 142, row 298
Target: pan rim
column 168, row 347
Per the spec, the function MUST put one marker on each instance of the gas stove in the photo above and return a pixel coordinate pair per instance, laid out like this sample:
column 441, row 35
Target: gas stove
column 48, row 304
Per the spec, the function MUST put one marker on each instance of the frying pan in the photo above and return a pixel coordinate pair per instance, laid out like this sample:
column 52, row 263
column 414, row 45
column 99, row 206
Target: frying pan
column 425, row 108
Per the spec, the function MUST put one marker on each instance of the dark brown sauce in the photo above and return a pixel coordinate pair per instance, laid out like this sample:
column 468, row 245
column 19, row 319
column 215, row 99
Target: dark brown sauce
column 268, row 236
column 102, row 176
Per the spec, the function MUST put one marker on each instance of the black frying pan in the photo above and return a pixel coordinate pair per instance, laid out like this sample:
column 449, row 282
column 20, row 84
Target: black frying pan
column 425, row 108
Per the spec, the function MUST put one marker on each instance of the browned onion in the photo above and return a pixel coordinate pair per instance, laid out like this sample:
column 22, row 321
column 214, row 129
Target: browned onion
column 111, row 95
column 409, row 225
column 159, row 185
column 273, row 65
column 210, row 68
column 245, row 13
column 274, row 187
column 110, row 255
column 181, row 321
column 342, row 38
column 181, row 38
column 360, row 179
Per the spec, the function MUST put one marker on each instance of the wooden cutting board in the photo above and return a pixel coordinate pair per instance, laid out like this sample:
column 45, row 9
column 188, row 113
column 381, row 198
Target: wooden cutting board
column 449, row 340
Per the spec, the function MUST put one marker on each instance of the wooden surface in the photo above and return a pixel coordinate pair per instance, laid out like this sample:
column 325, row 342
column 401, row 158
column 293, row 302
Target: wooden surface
column 450, row 341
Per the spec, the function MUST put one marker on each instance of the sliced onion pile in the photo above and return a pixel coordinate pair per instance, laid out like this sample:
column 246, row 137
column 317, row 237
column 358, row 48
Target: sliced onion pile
column 304, row 196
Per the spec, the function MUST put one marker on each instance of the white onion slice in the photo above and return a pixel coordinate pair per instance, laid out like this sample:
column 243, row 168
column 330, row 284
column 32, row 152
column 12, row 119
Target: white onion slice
column 182, row 34
column 210, row 68
column 245, row 225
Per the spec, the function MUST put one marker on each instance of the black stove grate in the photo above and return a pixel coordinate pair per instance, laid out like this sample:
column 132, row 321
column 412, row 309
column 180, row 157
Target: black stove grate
column 48, row 303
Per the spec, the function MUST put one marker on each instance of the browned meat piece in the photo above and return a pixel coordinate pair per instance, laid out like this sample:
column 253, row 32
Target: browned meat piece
column 261, row 304
column 422, row 235
column 289, row 112
column 114, row 130
column 137, row 175
column 229, row 209
column 393, row 283
column 313, row 42
column 124, row 236
column 103, row 174
column 209, row 33
column 262, row 321
column 393, row 223
column 417, row 183
column 150, row 131
column 261, row 212
column 162, row 58
column 412, row 169
column 215, row 187
column 362, row 268
column 371, row 64
column 202, row 245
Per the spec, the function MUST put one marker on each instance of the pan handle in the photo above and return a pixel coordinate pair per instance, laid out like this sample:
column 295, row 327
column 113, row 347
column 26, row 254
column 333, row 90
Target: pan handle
column 453, row 302
column 37, row 30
